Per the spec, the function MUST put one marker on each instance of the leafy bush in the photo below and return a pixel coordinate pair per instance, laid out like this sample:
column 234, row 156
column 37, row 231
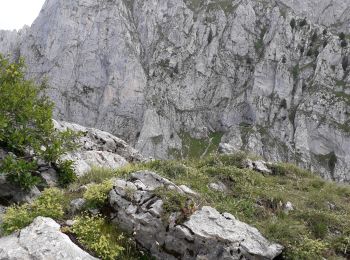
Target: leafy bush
column 170, row 169
column 26, row 126
column 49, row 204
column 342, row 36
column 97, row 194
column 309, row 249
column 97, row 235
column 65, row 172
column 20, row 172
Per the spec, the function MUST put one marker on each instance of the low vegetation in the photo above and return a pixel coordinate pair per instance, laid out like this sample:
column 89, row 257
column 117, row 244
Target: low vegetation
column 50, row 204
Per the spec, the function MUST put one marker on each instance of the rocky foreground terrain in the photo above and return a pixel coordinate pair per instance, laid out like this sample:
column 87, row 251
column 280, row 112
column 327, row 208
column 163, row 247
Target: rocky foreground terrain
column 184, row 114
column 123, row 206
column 269, row 77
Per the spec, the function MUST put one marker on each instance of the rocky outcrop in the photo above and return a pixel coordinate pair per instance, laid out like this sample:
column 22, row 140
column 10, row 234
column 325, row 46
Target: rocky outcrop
column 41, row 240
column 149, row 71
column 334, row 14
column 97, row 148
column 206, row 234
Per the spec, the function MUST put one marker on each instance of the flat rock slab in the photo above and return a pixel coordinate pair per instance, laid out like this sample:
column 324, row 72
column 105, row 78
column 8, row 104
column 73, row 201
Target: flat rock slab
column 42, row 240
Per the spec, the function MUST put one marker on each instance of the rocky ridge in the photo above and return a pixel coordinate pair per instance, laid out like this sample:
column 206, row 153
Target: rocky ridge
column 203, row 234
column 271, row 77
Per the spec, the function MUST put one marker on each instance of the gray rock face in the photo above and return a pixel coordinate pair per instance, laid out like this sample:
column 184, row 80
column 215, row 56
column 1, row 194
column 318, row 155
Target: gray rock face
column 98, row 149
column 10, row 193
column 334, row 14
column 206, row 234
column 148, row 71
column 41, row 240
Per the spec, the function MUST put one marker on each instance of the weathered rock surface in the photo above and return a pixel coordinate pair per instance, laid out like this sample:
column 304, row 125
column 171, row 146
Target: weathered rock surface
column 148, row 71
column 10, row 193
column 206, row 234
column 41, row 240
column 98, row 149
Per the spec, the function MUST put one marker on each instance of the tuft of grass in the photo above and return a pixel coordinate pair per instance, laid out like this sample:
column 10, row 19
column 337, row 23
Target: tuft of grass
column 96, row 195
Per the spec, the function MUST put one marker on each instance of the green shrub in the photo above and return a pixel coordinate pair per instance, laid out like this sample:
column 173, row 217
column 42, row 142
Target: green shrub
column 97, row 194
column 341, row 245
column 284, row 169
column 97, row 235
column 237, row 159
column 309, row 249
column 65, row 172
column 176, row 202
column 49, row 204
column 16, row 218
column 19, row 172
column 26, row 126
column 169, row 169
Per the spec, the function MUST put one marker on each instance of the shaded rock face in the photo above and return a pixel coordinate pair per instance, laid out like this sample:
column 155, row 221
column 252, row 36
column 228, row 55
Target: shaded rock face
column 41, row 240
column 97, row 148
column 148, row 71
column 206, row 234
column 10, row 193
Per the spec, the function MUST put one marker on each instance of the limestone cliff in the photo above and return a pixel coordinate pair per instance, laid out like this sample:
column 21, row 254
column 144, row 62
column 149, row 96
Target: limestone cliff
column 270, row 77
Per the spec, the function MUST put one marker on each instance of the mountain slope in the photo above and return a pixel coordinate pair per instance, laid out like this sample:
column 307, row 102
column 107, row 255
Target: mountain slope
column 164, row 73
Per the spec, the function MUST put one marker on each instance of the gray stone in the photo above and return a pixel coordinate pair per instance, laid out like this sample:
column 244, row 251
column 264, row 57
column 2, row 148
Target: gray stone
column 49, row 176
column 206, row 234
column 288, row 207
column 98, row 149
column 259, row 166
column 70, row 222
column 77, row 205
column 2, row 213
column 188, row 191
column 41, row 240
column 218, row 186
column 13, row 194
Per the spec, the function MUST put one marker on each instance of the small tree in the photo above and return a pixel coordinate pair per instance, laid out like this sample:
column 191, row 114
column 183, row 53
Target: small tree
column 26, row 127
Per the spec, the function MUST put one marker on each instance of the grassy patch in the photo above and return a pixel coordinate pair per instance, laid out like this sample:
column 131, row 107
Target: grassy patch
column 197, row 148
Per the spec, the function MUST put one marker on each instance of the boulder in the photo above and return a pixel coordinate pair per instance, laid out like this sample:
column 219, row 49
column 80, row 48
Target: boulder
column 218, row 186
column 41, row 240
column 98, row 149
column 259, row 166
column 10, row 193
column 206, row 234
column 77, row 205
